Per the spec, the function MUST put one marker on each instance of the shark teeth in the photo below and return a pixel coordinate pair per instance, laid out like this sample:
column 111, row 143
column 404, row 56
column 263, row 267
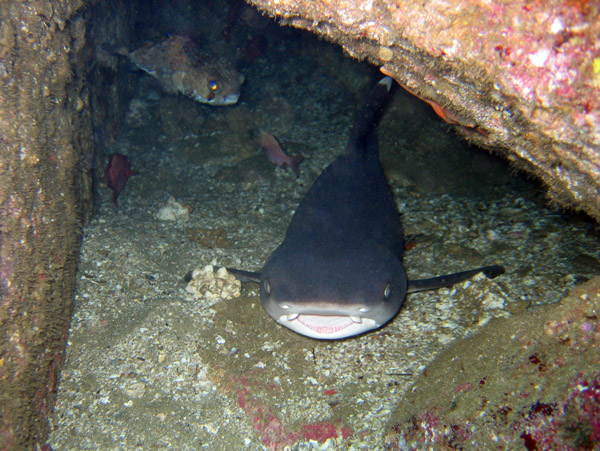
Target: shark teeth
column 293, row 316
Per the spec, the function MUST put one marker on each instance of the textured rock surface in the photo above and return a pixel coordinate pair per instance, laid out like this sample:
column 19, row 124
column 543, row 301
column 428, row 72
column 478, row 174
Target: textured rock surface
column 519, row 77
column 46, row 159
column 528, row 381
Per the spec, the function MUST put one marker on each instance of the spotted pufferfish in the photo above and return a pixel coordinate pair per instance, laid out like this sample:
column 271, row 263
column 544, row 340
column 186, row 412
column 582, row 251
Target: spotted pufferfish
column 180, row 65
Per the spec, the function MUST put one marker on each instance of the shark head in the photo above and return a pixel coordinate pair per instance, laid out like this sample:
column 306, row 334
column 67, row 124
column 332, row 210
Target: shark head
column 336, row 295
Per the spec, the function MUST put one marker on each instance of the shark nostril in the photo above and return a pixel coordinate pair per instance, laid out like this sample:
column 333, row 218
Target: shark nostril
column 267, row 287
column 387, row 292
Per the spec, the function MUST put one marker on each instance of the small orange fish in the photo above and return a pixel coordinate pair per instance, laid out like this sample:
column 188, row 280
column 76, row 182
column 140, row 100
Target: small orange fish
column 276, row 155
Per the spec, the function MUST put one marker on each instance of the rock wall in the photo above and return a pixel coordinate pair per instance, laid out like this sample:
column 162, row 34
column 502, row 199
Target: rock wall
column 521, row 77
column 523, row 382
column 46, row 161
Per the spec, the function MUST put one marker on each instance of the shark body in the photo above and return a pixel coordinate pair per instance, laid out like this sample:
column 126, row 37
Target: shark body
column 339, row 270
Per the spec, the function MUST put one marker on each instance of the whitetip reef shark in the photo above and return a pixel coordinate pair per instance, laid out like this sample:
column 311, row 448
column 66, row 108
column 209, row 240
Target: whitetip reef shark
column 338, row 272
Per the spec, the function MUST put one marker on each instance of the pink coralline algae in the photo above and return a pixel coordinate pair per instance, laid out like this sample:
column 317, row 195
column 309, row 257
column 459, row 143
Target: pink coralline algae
column 274, row 434
column 574, row 425
column 582, row 408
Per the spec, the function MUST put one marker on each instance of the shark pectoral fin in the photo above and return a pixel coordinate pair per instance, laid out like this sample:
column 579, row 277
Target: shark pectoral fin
column 244, row 276
column 448, row 280
column 493, row 271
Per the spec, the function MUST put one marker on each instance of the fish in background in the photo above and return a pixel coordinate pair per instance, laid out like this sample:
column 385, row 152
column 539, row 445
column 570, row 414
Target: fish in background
column 276, row 155
column 117, row 173
column 181, row 65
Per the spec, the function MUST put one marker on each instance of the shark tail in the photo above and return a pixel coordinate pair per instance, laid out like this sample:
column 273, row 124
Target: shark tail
column 366, row 121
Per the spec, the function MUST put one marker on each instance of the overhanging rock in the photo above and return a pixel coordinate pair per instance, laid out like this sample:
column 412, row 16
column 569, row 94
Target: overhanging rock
column 519, row 77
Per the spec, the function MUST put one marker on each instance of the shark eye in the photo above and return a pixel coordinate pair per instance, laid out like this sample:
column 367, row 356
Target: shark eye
column 213, row 85
column 387, row 291
column 267, row 287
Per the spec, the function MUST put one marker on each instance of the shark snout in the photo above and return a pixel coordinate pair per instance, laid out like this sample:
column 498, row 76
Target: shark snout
column 326, row 308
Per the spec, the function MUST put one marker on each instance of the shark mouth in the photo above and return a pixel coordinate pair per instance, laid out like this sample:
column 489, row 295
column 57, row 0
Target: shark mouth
column 327, row 327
